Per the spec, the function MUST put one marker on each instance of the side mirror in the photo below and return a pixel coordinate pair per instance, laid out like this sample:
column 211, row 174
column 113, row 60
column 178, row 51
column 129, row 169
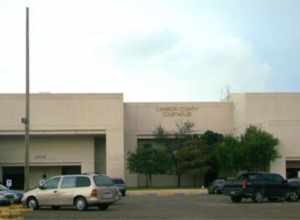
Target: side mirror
column 41, row 186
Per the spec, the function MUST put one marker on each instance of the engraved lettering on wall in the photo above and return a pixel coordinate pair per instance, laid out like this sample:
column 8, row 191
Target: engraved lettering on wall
column 177, row 111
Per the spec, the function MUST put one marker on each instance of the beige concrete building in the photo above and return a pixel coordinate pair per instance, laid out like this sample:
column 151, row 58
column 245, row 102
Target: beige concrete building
column 74, row 133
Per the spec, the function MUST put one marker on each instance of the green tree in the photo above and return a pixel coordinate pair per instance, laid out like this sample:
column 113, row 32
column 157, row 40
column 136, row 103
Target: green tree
column 193, row 158
column 259, row 149
column 183, row 134
column 212, row 139
column 229, row 156
column 148, row 160
column 253, row 151
column 161, row 137
column 173, row 142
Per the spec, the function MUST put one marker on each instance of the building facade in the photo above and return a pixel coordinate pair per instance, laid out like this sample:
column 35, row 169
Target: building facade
column 73, row 133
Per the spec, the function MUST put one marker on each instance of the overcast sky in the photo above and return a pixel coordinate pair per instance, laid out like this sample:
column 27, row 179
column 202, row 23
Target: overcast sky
column 152, row 50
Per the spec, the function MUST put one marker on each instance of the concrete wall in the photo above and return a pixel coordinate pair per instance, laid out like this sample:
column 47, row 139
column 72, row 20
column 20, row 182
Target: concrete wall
column 100, row 156
column 239, row 112
column 288, row 134
column 72, row 113
column 142, row 118
column 36, row 174
column 49, row 152
column 279, row 114
column 78, row 118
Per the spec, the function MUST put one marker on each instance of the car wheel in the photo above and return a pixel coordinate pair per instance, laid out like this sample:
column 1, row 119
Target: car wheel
column 258, row 197
column 80, row 204
column 32, row 203
column 103, row 206
column 293, row 197
column 236, row 199
column 55, row 207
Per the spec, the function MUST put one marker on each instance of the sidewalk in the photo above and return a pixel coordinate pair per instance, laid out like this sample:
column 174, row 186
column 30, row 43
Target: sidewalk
column 166, row 192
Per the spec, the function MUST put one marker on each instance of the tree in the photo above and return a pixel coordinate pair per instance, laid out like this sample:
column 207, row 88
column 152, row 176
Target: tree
column 182, row 135
column 148, row 160
column 252, row 151
column 193, row 158
column 173, row 142
column 259, row 149
column 229, row 156
column 161, row 136
column 184, row 129
column 212, row 139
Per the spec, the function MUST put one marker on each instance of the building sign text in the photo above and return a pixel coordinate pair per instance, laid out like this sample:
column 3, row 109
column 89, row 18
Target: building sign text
column 177, row 111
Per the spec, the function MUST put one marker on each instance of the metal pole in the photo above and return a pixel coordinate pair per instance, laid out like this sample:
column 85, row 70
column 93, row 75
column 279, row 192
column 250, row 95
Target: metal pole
column 27, row 118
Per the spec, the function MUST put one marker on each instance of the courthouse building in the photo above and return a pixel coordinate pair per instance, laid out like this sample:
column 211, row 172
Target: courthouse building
column 73, row 133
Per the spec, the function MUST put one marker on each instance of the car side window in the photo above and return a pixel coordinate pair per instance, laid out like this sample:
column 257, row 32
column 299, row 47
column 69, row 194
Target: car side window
column 277, row 178
column 103, row 180
column 52, row 183
column 242, row 177
column 252, row 177
column 273, row 178
column 82, row 181
column 68, row 182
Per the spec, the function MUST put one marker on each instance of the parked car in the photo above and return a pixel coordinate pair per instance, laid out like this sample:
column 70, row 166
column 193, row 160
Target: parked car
column 80, row 191
column 13, row 196
column 4, row 201
column 217, row 186
column 121, row 185
column 260, row 185
column 294, row 181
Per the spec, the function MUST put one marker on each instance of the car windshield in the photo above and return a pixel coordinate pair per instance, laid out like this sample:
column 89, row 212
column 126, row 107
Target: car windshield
column 219, row 181
column 103, row 181
column 118, row 181
column 294, row 180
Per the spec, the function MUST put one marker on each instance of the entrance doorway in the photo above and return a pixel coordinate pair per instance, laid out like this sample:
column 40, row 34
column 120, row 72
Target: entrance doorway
column 16, row 175
column 69, row 170
column 292, row 169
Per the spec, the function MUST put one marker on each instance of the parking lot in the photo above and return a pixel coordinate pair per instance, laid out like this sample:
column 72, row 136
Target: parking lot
column 202, row 206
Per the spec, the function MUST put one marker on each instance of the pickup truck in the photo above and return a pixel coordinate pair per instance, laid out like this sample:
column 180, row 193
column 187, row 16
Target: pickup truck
column 260, row 186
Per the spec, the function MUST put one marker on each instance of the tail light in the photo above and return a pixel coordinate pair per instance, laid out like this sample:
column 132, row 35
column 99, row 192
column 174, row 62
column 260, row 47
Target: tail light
column 94, row 193
column 244, row 184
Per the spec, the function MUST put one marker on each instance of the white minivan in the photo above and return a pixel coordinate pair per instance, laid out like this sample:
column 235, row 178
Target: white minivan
column 80, row 191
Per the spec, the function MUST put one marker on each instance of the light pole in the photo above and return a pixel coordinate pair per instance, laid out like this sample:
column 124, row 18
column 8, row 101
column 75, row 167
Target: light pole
column 26, row 120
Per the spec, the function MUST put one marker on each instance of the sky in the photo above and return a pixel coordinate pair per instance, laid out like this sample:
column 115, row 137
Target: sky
column 158, row 50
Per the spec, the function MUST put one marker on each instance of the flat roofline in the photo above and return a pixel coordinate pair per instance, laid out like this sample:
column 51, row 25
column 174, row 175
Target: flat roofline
column 49, row 95
column 53, row 132
column 58, row 93
column 265, row 93
column 64, row 96
column 178, row 103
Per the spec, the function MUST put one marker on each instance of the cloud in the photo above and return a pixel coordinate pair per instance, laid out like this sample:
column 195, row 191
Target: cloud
column 148, row 51
column 201, row 63
column 142, row 47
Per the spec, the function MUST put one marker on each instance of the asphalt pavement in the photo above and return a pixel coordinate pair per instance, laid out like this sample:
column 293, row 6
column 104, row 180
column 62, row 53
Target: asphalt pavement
column 183, row 207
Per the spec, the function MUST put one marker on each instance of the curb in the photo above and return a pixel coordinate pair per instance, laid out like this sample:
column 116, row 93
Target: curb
column 166, row 193
column 13, row 212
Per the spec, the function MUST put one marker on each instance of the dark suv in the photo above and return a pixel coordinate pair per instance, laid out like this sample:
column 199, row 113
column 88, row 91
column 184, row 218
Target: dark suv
column 261, row 185
column 217, row 186
column 121, row 185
